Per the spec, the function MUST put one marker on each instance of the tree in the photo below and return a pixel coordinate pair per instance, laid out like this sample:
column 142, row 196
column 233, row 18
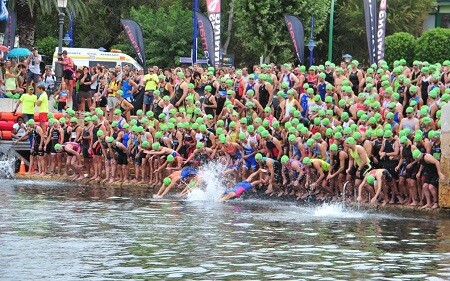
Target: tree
column 261, row 30
column 433, row 45
column 167, row 32
column 28, row 10
column 400, row 45
column 350, row 33
column 47, row 46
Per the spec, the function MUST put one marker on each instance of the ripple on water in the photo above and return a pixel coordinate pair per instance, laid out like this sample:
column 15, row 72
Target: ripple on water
column 136, row 239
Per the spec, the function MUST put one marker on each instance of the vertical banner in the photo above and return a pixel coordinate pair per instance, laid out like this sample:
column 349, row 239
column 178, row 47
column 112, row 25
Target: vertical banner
column 206, row 37
column 381, row 34
column 3, row 10
column 297, row 34
column 134, row 33
column 10, row 31
column 213, row 7
column 370, row 12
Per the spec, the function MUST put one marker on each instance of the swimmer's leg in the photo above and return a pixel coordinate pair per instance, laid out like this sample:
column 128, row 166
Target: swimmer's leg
column 228, row 196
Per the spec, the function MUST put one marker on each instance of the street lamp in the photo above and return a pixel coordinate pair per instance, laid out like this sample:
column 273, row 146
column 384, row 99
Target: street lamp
column 311, row 44
column 67, row 39
column 62, row 5
column 347, row 58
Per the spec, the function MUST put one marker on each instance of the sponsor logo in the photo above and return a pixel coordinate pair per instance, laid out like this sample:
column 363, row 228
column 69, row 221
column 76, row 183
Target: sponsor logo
column 202, row 32
column 213, row 6
column 134, row 43
column 291, row 32
column 381, row 30
column 373, row 33
column 215, row 21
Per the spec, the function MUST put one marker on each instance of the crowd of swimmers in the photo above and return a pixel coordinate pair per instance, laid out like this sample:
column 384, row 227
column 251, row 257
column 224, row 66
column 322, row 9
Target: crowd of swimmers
column 329, row 132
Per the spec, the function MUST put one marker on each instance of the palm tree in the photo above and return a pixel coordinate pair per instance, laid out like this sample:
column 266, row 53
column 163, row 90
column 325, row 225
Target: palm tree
column 27, row 11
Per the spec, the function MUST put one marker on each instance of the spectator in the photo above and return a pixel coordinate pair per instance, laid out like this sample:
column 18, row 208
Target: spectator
column 151, row 81
column 19, row 129
column 42, row 104
column 28, row 102
column 33, row 67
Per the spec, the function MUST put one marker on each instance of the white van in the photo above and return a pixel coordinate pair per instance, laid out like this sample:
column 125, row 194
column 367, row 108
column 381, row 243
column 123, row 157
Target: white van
column 93, row 57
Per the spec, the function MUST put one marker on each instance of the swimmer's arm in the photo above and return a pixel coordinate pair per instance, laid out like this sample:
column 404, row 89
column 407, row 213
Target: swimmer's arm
column 161, row 167
column 191, row 156
column 363, row 155
column 319, row 171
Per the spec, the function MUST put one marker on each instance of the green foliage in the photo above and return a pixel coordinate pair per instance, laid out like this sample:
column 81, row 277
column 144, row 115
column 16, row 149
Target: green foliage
column 47, row 46
column 433, row 46
column 260, row 27
column 167, row 32
column 49, row 7
column 350, row 32
column 124, row 47
column 400, row 45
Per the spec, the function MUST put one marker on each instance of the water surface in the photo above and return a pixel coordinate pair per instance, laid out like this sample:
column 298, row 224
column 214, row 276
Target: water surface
column 58, row 231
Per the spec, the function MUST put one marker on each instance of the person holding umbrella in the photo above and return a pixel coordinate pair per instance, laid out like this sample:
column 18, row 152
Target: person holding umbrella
column 33, row 67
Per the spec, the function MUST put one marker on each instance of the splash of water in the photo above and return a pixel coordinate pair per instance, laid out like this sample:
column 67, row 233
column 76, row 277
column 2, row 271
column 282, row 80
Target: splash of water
column 336, row 210
column 7, row 166
column 211, row 184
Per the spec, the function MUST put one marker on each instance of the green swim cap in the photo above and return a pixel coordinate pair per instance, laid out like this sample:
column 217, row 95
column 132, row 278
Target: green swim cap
column 258, row 156
column 58, row 146
column 145, row 144
column 167, row 181
column 100, row 133
column 370, row 180
column 306, row 161
column 416, row 153
column 156, row 146
column 292, row 138
column 109, row 139
column 200, row 145
column 170, row 158
column 333, row 147
column 350, row 141
column 284, row 159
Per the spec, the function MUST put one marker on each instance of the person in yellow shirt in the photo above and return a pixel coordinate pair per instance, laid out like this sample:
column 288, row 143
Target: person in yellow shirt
column 151, row 81
column 42, row 104
column 28, row 102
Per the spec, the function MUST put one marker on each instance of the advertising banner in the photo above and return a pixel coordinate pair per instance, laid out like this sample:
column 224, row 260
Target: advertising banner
column 297, row 34
column 206, row 33
column 134, row 33
column 213, row 7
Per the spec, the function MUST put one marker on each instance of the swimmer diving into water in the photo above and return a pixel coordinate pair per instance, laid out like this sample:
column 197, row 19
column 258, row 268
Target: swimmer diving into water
column 241, row 187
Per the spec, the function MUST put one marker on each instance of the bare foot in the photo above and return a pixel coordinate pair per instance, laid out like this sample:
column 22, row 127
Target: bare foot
column 414, row 203
column 280, row 193
column 268, row 191
column 80, row 178
column 434, row 206
column 384, row 203
column 425, row 206
column 156, row 196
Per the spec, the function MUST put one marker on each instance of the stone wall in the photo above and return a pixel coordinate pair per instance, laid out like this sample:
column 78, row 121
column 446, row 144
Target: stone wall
column 444, row 185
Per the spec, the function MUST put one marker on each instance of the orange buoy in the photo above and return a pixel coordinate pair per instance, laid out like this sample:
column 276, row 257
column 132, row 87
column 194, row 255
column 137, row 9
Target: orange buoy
column 6, row 135
column 57, row 115
column 6, row 125
column 9, row 116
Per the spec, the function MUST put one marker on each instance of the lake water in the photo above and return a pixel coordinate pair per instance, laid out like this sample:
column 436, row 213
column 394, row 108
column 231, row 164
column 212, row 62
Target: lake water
column 59, row 231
